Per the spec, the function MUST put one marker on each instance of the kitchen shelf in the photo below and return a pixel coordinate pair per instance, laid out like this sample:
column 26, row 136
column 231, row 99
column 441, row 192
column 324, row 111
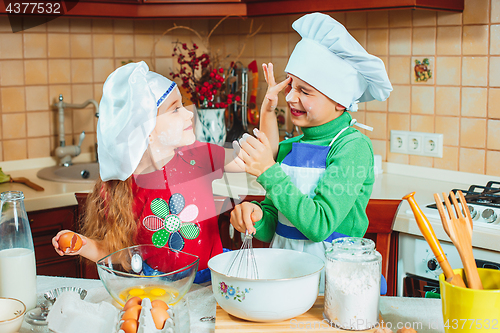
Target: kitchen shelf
column 160, row 9
column 278, row 7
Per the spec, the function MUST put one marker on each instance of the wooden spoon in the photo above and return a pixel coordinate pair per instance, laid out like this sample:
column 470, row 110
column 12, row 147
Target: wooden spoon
column 459, row 228
column 429, row 235
column 26, row 182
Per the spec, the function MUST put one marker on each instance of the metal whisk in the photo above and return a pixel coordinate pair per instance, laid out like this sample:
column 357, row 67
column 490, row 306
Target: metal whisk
column 243, row 264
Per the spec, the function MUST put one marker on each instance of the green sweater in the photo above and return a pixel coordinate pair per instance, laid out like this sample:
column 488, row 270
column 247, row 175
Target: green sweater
column 342, row 193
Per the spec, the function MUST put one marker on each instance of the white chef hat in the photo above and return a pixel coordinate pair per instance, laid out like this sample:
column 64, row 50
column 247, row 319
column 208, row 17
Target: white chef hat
column 127, row 116
column 332, row 61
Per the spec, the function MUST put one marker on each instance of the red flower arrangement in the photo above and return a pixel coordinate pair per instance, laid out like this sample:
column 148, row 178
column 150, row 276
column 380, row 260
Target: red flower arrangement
column 202, row 78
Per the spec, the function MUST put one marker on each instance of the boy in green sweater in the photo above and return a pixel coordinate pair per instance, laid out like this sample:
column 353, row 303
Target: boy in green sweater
column 317, row 184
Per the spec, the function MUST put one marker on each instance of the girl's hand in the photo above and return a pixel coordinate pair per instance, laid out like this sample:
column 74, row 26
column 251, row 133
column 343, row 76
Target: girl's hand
column 244, row 216
column 271, row 99
column 55, row 243
column 255, row 155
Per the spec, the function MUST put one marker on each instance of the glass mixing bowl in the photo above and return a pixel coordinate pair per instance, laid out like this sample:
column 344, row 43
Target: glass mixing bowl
column 148, row 271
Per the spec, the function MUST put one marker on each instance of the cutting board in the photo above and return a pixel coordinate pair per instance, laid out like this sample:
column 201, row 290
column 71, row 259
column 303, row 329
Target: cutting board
column 311, row 321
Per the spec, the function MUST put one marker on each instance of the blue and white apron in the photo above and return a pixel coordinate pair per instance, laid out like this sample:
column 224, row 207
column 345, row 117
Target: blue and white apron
column 305, row 164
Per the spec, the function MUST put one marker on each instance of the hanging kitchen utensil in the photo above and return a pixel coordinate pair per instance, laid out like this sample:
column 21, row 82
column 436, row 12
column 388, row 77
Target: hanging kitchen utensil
column 237, row 83
column 253, row 111
column 4, row 178
column 429, row 235
column 459, row 228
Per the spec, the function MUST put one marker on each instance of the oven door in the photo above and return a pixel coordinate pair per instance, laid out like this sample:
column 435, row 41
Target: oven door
column 417, row 286
column 418, row 271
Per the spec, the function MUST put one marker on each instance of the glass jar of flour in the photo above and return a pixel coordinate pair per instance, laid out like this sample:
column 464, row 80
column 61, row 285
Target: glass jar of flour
column 352, row 283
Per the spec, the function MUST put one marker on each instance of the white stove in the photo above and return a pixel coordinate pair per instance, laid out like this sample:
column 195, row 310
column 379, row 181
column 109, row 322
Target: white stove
column 483, row 203
column 418, row 269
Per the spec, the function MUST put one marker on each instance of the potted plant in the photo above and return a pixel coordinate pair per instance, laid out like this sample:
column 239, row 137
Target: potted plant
column 204, row 82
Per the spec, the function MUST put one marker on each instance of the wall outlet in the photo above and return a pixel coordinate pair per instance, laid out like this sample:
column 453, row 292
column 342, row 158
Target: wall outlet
column 433, row 145
column 399, row 142
column 417, row 143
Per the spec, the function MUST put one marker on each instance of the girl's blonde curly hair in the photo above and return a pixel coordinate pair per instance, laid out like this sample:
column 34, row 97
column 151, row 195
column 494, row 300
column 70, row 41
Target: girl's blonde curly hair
column 109, row 216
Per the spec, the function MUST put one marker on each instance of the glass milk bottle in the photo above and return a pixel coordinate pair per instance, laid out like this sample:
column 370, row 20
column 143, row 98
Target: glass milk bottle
column 352, row 283
column 17, row 255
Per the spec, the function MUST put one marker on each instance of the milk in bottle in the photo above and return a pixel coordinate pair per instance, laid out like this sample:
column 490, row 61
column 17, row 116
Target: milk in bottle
column 17, row 255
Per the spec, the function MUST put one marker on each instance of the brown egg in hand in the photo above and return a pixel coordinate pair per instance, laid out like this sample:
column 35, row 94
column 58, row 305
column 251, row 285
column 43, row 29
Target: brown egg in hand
column 70, row 242
column 160, row 316
column 129, row 326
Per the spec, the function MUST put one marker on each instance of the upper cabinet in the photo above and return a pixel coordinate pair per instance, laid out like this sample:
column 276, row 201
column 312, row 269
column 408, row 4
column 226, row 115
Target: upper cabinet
column 158, row 8
column 277, row 7
column 150, row 9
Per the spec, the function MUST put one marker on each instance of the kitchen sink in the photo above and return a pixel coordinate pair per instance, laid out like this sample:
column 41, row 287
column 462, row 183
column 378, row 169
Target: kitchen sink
column 76, row 173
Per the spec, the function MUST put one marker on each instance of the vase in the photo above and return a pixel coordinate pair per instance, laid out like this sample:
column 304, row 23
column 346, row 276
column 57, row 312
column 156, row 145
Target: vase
column 211, row 126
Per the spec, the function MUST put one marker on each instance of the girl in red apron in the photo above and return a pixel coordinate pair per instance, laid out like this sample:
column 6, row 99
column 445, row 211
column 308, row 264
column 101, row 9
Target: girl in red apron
column 155, row 183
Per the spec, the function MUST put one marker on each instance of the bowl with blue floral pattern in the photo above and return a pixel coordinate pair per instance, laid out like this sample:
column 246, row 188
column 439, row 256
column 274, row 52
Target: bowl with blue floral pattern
column 286, row 287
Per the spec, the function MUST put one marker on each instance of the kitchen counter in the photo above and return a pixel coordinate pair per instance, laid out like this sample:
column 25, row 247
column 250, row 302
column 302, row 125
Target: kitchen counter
column 396, row 181
column 60, row 194
column 422, row 314
column 399, row 181
column 55, row 194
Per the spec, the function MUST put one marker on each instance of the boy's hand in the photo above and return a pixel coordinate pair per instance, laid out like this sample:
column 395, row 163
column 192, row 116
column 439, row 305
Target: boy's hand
column 271, row 99
column 255, row 155
column 244, row 216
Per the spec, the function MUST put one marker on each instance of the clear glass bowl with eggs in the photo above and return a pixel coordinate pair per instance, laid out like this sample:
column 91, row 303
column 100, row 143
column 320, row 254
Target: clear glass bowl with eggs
column 148, row 272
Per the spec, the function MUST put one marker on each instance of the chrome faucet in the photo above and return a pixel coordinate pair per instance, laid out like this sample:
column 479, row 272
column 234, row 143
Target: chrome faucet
column 289, row 135
column 63, row 152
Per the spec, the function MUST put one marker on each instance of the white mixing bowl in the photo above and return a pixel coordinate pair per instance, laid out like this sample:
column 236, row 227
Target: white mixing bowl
column 287, row 287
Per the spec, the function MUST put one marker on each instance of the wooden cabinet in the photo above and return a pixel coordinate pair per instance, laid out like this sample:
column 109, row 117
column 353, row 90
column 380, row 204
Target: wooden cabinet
column 150, row 9
column 279, row 7
column 145, row 9
column 45, row 224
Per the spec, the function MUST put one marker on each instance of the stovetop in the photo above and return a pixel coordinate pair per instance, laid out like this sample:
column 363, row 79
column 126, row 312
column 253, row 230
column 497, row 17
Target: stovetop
column 483, row 203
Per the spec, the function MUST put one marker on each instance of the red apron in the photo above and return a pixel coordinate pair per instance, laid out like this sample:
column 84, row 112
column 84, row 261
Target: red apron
column 174, row 206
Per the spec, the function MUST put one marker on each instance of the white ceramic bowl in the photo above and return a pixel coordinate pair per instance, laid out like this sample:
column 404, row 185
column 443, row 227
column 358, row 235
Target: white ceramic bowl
column 287, row 287
column 11, row 314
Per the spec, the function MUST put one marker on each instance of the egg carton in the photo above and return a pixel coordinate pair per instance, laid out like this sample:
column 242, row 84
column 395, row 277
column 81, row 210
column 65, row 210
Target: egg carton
column 177, row 323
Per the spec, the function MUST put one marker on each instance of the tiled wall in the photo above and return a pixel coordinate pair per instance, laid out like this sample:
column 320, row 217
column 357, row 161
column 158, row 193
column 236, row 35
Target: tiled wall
column 461, row 100
column 72, row 58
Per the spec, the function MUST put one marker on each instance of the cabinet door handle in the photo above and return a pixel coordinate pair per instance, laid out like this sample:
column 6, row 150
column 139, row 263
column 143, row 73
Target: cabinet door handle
column 31, row 221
